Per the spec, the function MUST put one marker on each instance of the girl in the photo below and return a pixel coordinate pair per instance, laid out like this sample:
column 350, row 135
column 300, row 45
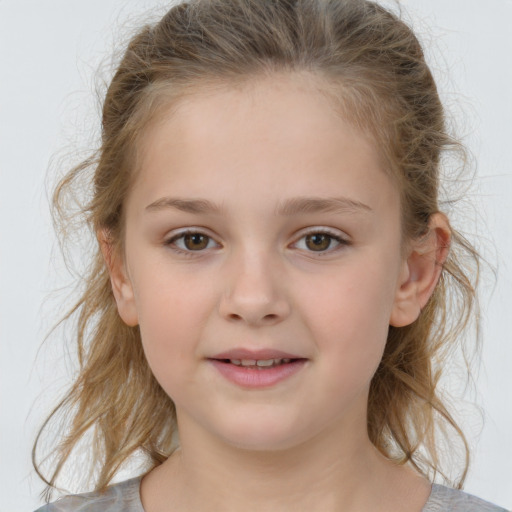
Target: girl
column 275, row 288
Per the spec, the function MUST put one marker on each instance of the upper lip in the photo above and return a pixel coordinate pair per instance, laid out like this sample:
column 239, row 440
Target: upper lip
column 258, row 355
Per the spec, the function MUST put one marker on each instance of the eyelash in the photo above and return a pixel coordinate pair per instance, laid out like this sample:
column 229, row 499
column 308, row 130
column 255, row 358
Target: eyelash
column 171, row 242
column 340, row 241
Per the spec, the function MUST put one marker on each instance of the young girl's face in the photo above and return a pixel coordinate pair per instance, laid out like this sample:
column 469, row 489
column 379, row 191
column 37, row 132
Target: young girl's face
column 263, row 264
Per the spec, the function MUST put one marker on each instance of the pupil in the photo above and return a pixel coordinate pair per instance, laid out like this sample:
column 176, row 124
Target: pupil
column 318, row 242
column 196, row 241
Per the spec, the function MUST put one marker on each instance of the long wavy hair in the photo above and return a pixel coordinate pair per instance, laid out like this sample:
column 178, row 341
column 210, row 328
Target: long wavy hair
column 374, row 68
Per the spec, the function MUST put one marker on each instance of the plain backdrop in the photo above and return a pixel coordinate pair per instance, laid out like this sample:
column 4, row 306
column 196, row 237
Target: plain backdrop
column 49, row 53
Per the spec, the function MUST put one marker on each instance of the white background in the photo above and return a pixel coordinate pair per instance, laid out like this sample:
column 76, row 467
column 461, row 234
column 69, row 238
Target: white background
column 49, row 52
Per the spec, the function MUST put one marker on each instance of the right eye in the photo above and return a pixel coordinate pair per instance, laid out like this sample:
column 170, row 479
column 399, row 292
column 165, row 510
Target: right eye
column 322, row 241
column 191, row 241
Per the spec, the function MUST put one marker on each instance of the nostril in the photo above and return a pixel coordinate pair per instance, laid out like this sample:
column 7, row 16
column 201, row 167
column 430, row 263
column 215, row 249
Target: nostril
column 271, row 317
column 257, row 310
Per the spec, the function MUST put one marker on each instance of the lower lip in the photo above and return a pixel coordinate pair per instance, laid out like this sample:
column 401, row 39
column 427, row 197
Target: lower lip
column 256, row 378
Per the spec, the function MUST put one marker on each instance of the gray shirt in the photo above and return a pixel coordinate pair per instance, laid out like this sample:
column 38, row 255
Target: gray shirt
column 125, row 497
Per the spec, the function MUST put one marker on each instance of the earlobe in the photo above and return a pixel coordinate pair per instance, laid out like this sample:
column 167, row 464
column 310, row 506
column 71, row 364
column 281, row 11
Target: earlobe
column 421, row 271
column 122, row 287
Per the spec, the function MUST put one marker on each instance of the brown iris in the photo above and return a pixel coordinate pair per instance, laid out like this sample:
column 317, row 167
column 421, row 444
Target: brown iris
column 195, row 241
column 318, row 241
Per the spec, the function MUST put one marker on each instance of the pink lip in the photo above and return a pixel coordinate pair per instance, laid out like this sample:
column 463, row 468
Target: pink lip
column 242, row 353
column 252, row 377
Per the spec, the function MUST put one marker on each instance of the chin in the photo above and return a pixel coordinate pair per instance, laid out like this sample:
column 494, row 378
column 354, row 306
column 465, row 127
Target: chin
column 261, row 436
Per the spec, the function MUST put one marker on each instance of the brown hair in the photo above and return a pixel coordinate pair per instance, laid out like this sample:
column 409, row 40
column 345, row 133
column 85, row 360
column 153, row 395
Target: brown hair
column 374, row 68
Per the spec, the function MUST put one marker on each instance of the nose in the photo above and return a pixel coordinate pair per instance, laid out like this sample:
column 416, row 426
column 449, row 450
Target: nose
column 254, row 291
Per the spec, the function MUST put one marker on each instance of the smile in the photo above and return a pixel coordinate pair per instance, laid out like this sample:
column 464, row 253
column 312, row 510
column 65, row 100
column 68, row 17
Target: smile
column 257, row 373
column 258, row 364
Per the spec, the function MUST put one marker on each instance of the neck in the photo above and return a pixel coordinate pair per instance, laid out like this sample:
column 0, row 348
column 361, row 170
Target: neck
column 276, row 476
column 332, row 472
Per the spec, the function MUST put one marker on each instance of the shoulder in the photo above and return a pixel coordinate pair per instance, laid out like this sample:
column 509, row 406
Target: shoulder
column 444, row 499
column 122, row 497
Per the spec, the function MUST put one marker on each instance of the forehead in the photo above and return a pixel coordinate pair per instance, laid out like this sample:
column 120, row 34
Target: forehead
column 270, row 101
column 280, row 132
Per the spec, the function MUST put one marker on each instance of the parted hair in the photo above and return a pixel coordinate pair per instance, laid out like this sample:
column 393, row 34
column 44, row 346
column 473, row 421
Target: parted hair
column 373, row 68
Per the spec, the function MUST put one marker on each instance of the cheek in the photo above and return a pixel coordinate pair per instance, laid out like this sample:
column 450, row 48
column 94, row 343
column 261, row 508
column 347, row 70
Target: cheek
column 169, row 320
column 357, row 300
column 349, row 321
column 168, row 302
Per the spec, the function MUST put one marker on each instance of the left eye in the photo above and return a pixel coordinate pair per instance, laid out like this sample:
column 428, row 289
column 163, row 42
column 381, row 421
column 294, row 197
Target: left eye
column 192, row 241
column 319, row 242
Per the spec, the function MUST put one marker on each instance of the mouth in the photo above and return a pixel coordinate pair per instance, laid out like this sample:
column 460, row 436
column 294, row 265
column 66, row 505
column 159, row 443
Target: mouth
column 259, row 364
column 261, row 359
column 257, row 369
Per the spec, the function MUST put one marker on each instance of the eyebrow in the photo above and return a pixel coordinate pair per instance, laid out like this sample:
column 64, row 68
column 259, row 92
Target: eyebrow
column 293, row 206
column 298, row 205
column 196, row 206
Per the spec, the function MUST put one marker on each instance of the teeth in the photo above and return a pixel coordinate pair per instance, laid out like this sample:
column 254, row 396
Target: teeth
column 259, row 363
column 266, row 362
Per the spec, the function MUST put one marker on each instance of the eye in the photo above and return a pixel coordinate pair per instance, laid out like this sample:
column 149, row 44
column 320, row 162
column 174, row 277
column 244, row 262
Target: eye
column 192, row 241
column 320, row 241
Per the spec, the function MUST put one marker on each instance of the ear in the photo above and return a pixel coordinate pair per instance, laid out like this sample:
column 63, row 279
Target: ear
column 119, row 279
column 421, row 271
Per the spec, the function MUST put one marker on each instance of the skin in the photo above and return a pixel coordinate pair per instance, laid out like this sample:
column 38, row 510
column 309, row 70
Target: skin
column 259, row 154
